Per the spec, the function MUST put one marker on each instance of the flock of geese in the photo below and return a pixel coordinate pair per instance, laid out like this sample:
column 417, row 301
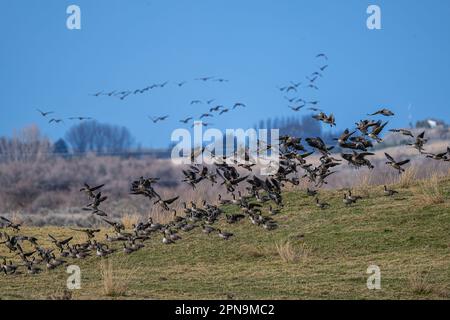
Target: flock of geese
column 213, row 109
column 255, row 199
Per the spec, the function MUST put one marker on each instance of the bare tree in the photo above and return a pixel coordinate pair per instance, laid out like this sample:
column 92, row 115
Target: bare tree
column 26, row 145
column 97, row 137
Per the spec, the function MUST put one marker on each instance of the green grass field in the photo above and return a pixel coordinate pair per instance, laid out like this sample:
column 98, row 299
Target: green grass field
column 407, row 236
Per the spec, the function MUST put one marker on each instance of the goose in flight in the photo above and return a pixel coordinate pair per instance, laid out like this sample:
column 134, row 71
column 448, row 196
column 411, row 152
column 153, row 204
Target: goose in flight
column 44, row 113
column 80, row 118
column 297, row 108
column 383, row 112
column 198, row 123
column 90, row 190
column 185, row 121
column 182, row 83
column 291, row 88
column 394, row 164
column 376, row 131
column 239, row 104
column 204, row 79
column 56, row 120
column 404, row 132
column 419, row 142
column 205, row 115
column 165, row 203
column 216, row 108
column 322, row 55
column 290, row 100
column 157, row 119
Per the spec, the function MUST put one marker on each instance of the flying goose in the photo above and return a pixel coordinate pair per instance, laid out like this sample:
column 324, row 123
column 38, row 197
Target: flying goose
column 90, row 190
column 9, row 224
column 165, row 203
column 45, row 113
column 60, row 244
column 376, row 130
column 185, row 121
column 157, row 119
column 384, row 112
column 419, row 142
column 56, row 120
column 394, row 164
column 404, row 132
column 90, row 233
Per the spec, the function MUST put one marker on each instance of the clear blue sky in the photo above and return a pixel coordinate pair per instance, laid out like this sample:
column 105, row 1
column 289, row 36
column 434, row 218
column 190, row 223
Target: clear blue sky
column 256, row 44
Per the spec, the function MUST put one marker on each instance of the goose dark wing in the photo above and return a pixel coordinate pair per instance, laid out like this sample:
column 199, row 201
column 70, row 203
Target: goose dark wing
column 389, row 157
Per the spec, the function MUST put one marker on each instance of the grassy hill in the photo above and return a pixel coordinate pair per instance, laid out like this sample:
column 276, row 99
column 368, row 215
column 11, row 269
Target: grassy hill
column 314, row 254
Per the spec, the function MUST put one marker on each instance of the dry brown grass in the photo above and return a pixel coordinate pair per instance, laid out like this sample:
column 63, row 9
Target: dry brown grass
column 419, row 283
column 407, row 178
column 431, row 192
column 364, row 184
column 16, row 218
column 128, row 220
column 291, row 254
column 61, row 295
column 116, row 281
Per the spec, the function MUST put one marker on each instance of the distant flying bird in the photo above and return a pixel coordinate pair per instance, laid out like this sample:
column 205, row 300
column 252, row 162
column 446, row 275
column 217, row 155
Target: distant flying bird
column 216, row 108
column 56, row 120
column 290, row 99
column 312, row 86
column 298, row 84
column 295, row 108
column 204, row 124
column 221, row 80
column 180, row 84
column 223, row 111
column 195, row 102
column 311, row 80
column 291, row 88
column 210, row 101
column 155, row 120
column 383, row 112
column 238, row 104
column 43, row 113
column 186, row 120
column 322, row 55
column 204, row 78
column 323, row 68
column 97, row 94
column 162, row 85
column 80, row 118
column 206, row 115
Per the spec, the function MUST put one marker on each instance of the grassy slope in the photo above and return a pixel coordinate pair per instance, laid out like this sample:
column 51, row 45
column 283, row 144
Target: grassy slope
column 403, row 237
